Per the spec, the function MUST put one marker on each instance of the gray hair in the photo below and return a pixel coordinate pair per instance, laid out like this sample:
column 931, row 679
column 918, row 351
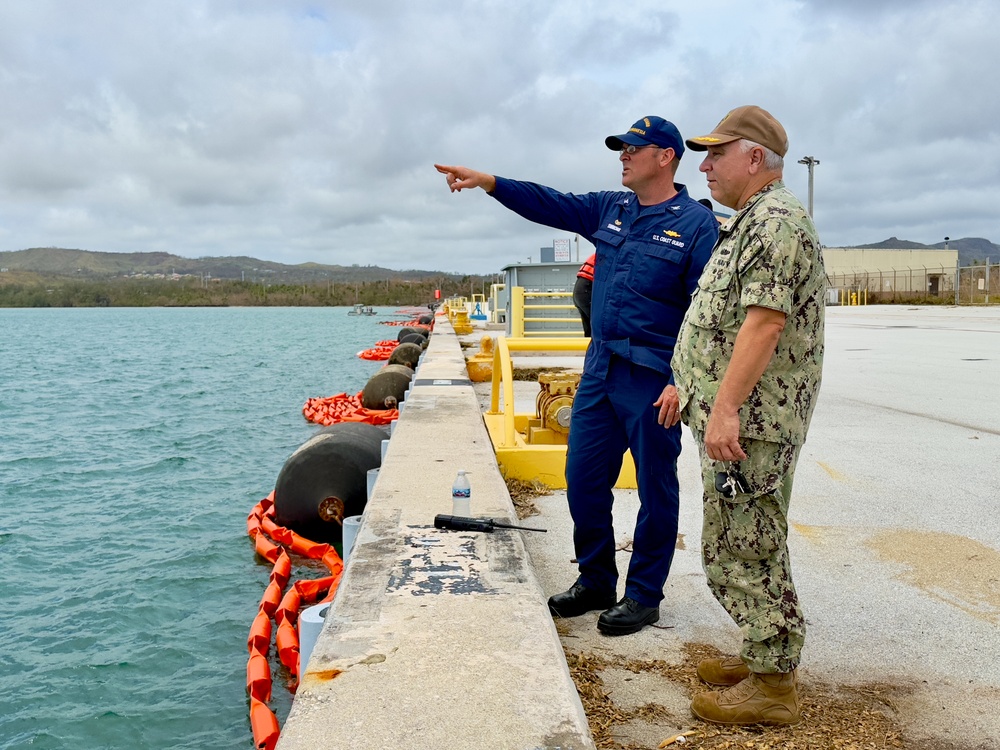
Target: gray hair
column 772, row 162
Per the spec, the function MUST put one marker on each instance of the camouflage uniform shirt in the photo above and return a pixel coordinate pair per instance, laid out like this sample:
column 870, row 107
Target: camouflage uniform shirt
column 767, row 255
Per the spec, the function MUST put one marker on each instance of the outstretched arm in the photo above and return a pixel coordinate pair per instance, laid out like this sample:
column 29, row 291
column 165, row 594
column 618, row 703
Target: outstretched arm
column 463, row 177
column 543, row 205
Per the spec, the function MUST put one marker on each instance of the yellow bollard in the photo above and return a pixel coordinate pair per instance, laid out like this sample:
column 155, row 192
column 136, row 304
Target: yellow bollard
column 461, row 322
column 480, row 364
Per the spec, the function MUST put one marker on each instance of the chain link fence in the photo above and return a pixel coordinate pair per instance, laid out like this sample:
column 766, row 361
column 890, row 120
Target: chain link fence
column 967, row 285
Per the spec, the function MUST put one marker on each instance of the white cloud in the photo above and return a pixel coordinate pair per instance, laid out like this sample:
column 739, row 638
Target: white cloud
column 305, row 131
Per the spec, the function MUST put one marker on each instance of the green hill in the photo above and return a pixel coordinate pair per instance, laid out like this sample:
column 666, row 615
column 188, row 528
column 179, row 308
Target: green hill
column 88, row 264
column 971, row 250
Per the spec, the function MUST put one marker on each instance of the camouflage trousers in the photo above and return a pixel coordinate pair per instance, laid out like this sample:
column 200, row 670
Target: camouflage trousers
column 745, row 555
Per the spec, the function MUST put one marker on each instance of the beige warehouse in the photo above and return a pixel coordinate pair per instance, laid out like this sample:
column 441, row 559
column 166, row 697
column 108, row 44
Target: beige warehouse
column 890, row 271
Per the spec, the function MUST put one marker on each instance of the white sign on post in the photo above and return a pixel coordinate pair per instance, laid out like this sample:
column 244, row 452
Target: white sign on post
column 561, row 251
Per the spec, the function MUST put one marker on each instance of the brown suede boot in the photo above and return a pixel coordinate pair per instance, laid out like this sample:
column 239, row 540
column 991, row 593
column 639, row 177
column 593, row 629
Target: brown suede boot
column 729, row 670
column 760, row 699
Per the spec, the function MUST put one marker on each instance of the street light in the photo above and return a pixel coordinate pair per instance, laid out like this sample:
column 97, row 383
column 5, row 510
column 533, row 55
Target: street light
column 958, row 271
column 810, row 162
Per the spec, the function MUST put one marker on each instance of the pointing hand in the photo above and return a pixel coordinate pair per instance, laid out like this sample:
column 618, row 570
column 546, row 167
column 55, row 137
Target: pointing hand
column 462, row 177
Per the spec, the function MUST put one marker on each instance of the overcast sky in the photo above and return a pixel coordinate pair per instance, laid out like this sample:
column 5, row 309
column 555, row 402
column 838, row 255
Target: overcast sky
column 306, row 131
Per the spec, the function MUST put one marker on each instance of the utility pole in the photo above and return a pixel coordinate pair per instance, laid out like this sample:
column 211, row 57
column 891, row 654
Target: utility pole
column 810, row 162
column 958, row 272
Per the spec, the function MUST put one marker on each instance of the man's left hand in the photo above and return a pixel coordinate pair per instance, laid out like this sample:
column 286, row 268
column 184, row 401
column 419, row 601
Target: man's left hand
column 669, row 405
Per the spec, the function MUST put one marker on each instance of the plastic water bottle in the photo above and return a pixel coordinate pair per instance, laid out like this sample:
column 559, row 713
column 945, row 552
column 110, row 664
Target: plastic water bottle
column 461, row 496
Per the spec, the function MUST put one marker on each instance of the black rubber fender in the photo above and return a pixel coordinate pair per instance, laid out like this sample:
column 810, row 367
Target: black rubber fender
column 415, row 338
column 326, row 479
column 406, row 354
column 386, row 388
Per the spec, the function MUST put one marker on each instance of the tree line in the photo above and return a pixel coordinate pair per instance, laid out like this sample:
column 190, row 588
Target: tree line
column 195, row 292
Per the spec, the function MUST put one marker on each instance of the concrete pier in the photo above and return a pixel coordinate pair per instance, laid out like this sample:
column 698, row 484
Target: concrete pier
column 437, row 639
column 443, row 639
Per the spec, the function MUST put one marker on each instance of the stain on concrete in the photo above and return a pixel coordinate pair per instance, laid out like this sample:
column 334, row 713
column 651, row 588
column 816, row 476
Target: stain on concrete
column 326, row 675
column 953, row 569
column 370, row 569
column 564, row 739
column 815, row 534
column 833, row 473
column 507, row 557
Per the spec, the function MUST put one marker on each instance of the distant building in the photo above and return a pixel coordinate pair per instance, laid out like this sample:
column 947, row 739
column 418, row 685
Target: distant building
column 549, row 287
column 888, row 271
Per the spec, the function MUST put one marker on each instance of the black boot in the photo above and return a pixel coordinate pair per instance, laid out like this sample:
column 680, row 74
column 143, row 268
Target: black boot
column 627, row 616
column 579, row 600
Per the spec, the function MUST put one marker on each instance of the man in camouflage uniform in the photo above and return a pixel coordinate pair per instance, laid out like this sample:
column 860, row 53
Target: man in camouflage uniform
column 747, row 366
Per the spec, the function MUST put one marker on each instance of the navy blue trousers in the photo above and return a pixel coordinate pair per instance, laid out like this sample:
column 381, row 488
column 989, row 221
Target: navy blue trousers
column 610, row 416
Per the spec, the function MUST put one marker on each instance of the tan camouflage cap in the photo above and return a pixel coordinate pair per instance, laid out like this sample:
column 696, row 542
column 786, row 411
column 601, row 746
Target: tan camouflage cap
column 750, row 122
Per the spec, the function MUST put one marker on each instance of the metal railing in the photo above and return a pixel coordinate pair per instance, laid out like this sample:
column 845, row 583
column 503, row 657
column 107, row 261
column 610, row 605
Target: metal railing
column 503, row 375
column 541, row 316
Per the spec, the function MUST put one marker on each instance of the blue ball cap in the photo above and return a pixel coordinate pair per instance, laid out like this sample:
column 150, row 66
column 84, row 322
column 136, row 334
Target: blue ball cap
column 652, row 129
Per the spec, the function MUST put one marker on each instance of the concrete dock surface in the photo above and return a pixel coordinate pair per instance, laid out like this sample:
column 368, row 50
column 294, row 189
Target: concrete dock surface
column 437, row 638
column 895, row 528
column 441, row 639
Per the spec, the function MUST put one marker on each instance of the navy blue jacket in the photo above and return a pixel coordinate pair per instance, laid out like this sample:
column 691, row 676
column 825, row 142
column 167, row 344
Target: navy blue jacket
column 649, row 259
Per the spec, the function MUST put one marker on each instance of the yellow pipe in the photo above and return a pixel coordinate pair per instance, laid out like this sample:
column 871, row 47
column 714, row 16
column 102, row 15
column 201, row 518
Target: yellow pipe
column 553, row 345
column 503, row 374
column 517, row 311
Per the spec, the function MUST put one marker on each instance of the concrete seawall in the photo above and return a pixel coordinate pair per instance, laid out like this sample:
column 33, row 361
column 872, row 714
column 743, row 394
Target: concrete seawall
column 437, row 638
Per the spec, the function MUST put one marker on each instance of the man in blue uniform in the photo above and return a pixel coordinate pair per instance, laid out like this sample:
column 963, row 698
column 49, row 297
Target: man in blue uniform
column 652, row 244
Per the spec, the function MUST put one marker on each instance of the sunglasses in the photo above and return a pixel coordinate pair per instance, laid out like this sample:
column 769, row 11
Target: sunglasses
column 629, row 149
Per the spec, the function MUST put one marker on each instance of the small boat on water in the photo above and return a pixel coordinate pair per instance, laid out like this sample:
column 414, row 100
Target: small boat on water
column 362, row 310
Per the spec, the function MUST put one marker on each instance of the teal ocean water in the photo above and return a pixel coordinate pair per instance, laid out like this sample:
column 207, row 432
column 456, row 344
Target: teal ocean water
column 133, row 444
